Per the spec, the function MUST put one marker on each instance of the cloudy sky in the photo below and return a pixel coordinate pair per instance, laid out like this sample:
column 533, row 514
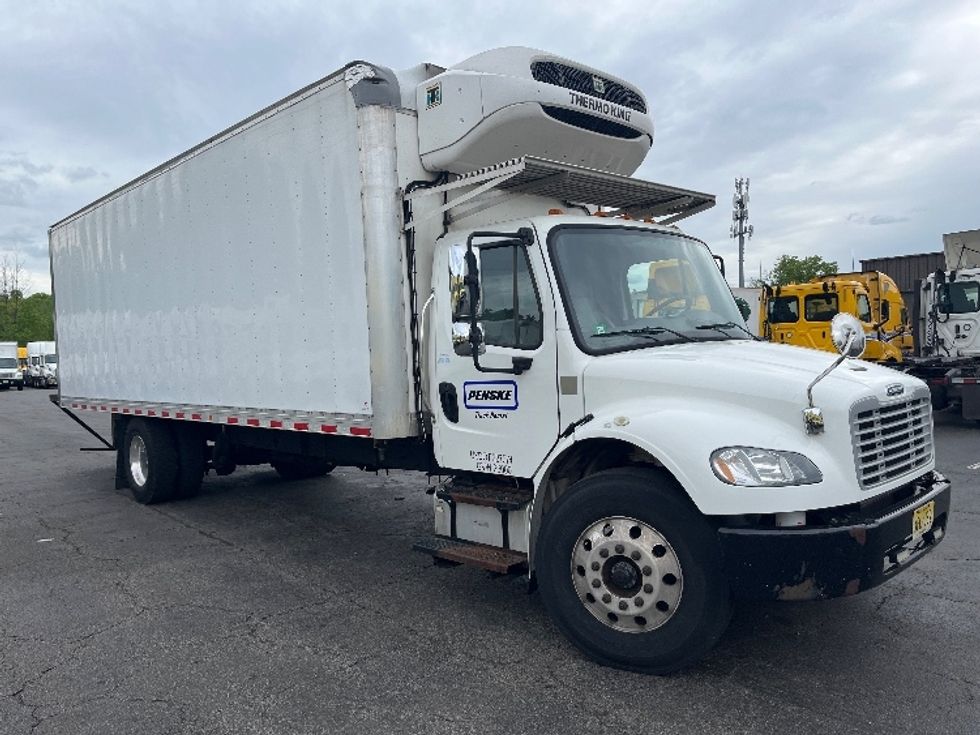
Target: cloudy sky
column 858, row 123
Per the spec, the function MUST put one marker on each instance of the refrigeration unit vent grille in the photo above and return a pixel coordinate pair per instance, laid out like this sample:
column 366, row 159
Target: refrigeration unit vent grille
column 586, row 82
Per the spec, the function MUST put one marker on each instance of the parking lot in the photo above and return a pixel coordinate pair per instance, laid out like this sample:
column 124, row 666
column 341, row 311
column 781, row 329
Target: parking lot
column 271, row 607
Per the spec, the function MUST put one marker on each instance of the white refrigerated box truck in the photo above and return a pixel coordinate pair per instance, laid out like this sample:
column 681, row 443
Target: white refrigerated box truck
column 436, row 269
column 10, row 373
column 42, row 364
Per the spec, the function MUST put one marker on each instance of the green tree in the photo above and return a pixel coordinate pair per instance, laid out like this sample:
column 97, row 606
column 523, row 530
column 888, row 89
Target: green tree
column 34, row 319
column 791, row 269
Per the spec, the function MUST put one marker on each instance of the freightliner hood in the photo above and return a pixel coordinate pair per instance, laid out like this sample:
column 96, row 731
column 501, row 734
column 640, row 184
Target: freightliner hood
column 681, row 402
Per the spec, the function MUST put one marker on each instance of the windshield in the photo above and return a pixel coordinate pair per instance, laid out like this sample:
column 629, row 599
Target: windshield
column 8, row 362
column 626, row 288
column 51, row 359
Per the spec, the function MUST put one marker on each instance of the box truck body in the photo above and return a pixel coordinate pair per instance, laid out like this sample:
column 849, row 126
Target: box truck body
column 437, row 269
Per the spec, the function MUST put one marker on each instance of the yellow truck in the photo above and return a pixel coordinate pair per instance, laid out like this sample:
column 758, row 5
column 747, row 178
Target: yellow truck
column 888, row 308
column 800, row 313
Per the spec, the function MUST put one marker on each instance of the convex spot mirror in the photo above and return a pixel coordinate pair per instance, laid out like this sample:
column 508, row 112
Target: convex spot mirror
column 847, row 334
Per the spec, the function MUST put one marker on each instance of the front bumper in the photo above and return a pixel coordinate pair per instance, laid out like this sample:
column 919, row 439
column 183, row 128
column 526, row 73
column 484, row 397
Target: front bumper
column 837, row 559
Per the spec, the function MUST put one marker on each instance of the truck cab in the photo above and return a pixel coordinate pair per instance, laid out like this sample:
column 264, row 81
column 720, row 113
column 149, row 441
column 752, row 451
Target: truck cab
column 10, row 373
column 888, row 310
column 42, row 364
column 948, row 357
column 801, row 313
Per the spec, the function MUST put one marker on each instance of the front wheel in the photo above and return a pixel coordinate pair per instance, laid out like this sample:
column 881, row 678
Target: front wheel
column 631, row 572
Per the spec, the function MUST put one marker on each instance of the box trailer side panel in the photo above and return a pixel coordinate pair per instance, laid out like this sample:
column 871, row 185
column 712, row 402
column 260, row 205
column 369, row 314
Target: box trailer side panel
column 233, row 278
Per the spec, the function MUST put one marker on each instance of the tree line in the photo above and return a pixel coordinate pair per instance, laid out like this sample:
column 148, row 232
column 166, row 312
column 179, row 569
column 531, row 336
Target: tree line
column 23, row 318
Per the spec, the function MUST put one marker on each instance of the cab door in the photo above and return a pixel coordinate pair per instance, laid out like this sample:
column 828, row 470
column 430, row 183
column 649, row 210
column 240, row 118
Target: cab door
column 499, row 413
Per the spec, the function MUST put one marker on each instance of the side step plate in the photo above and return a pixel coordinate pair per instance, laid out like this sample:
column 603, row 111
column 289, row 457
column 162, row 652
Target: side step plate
column 488, row 496
column 491, row 558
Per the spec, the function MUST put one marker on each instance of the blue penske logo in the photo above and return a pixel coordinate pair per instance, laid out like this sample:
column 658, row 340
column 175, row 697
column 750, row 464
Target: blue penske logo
column 495, row 395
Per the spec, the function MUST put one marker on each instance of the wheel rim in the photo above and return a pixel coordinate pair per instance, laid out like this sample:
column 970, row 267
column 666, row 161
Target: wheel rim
column 627, row 574
column 138, row 460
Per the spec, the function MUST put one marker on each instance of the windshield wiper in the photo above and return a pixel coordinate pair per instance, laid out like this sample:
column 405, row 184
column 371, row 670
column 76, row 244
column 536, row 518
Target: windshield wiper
column 722, row 326
column 646, row 332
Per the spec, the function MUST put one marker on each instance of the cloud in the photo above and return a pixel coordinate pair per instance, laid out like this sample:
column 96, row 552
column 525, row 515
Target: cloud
column 81, row 173
column 876, row 219
column 843, row 115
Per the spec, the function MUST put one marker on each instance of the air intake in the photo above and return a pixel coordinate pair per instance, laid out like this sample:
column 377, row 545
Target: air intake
column 594, row 85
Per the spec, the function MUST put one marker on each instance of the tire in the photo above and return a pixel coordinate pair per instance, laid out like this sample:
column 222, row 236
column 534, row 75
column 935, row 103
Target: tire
column 150, row 461
column 20, row 387
column 191, row 461
column 303, row 468
column 670, row 571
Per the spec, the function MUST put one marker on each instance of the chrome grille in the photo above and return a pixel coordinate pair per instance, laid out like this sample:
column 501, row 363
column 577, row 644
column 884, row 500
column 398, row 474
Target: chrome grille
column 891, row 440
column 594, row 85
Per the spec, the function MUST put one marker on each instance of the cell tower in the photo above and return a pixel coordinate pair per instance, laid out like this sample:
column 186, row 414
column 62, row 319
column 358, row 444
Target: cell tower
column 740, row 224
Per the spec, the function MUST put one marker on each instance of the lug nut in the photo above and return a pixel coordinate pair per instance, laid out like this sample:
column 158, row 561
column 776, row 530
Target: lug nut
column 607, row 598
column 595, row 566
column 620, row 549
column 648, row 588
column 638, row 602
column 623, row 605
column 635, row 556
column 596, row 583
column 603, row 553
column 647, row 571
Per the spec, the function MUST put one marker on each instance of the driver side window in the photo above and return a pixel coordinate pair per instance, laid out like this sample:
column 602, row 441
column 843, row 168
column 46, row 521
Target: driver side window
column 510, row 311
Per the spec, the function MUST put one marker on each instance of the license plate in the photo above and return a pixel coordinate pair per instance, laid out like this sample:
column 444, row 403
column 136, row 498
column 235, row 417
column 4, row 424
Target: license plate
column 922, row 518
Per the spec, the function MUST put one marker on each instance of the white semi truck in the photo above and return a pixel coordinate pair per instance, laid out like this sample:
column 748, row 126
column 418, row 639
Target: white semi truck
column 436, row 270
column 10, row 373
column 42, row 364
column 948, row 327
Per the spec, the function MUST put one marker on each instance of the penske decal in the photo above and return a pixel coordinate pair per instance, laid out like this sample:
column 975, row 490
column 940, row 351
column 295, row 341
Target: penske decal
column 497, row 395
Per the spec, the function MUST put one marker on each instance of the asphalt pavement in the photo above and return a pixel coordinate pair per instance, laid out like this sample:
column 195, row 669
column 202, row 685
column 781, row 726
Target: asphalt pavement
column 271, row 607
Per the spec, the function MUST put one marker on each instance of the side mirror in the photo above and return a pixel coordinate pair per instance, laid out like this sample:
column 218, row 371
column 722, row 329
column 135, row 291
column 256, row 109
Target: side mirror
column 848, row 336
column 459, row 293
column 461, row 339
column 464, row 286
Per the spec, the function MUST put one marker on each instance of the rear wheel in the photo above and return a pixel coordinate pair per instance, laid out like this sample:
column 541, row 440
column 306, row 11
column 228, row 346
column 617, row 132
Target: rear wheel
column 302, row 468
column 150, row 461
column 632, row 573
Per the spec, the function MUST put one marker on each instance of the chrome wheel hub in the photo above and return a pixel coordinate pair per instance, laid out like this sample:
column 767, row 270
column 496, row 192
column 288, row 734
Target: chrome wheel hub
column 627, row 574
column 138, row 460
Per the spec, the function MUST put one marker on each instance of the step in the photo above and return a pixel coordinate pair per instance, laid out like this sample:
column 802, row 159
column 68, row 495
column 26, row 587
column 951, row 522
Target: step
column 491, row 558
column 489, row 496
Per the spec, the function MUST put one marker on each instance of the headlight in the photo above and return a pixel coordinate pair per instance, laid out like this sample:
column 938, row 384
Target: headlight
column 751, row 467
